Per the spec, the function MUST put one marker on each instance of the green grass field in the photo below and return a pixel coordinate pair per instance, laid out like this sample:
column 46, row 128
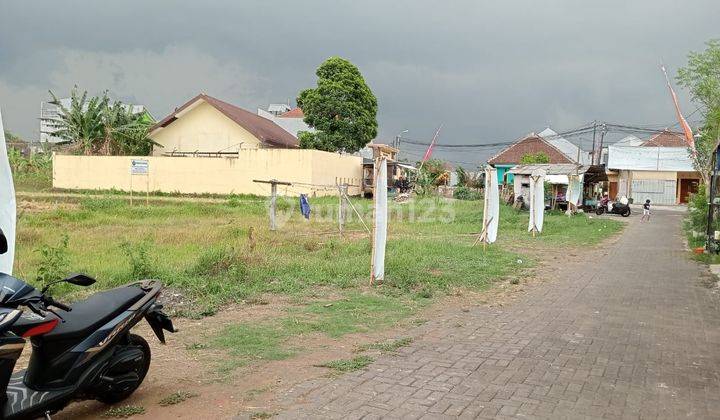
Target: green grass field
column 225, row 252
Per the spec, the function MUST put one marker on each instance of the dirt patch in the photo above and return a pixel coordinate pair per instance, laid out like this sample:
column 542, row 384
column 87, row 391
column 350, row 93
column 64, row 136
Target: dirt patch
column 179, row 368
column 26, row 206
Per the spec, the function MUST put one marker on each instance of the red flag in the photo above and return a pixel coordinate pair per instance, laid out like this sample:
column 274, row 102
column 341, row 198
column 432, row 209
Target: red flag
column 683, row 123
column 428, row 153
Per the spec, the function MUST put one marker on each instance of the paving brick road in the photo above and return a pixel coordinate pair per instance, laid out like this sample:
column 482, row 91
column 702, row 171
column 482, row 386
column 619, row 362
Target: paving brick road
column 632, row 334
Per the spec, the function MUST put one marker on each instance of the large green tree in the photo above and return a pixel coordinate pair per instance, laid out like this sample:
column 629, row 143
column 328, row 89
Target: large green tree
column 342, row 109
column 701, row 77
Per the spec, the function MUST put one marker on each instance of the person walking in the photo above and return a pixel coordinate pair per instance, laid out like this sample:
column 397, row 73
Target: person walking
column 646, row 211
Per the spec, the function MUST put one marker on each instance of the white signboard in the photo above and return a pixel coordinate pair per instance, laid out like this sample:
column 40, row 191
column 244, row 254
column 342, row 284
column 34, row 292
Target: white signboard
column 139, row 167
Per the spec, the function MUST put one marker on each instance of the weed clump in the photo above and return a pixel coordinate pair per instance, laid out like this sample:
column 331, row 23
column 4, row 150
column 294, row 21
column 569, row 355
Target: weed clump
column 348, row 365
column 54, row 261
column 124, row 411
column 142, row 265
column 176, row 398
column 219, row 261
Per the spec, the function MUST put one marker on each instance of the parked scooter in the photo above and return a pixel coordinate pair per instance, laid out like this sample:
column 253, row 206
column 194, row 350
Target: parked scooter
column 617, row 208
column 87, row 352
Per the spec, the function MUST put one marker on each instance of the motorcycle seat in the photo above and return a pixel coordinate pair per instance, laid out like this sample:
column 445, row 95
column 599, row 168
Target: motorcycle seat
column 90, row 314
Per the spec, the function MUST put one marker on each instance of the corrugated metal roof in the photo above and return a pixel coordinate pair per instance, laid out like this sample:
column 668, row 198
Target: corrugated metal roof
column 568, row 149
column 279, row 108
column 549, row 168
column 629, row 141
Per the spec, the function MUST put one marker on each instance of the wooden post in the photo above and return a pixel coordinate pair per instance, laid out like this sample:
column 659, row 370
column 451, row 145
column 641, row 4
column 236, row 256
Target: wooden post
column 273, row 198
column 131, row 192
column 342, row 209
column 147, row 191
column 273, row 207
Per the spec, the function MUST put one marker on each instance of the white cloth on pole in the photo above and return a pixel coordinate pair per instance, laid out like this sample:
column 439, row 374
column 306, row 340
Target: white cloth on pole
column 574, row 191
column 537, row 200
column 381, row 214
column 7, row 205
column 492, row 204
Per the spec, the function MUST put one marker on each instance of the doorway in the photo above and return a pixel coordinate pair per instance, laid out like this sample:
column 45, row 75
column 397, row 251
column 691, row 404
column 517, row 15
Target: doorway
column 613, row 190
column 687, row 187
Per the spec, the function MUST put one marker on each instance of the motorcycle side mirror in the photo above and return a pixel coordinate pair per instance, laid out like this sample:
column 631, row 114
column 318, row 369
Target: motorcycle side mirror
column 79, row 280
column 3, row 243
column 76, row 279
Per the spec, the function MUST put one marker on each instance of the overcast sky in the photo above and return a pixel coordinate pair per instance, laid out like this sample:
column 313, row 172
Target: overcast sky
column 488, row 71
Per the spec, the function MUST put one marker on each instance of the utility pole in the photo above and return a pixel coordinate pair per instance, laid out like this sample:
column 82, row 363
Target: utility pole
column 396, row 143
column 602, row 139
column 273, row 198
column 594, row 152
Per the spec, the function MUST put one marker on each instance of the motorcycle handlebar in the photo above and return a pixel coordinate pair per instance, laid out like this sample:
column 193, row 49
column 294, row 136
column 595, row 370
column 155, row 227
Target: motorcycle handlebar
column 52, row 302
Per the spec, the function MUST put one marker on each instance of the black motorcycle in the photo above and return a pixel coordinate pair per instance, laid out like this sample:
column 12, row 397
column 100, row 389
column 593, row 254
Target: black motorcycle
column 87, row 352
column 617, row 208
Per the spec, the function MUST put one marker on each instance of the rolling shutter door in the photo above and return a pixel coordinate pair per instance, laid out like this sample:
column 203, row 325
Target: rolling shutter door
column 657, row 190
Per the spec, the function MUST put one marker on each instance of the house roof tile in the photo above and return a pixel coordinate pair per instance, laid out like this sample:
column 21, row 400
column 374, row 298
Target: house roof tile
column 265, row 130
column 530, row 144
column 666, row 139
column 293, row 113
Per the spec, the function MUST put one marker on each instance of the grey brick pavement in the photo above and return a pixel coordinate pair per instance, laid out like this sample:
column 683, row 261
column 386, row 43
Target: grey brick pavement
column 632, row 334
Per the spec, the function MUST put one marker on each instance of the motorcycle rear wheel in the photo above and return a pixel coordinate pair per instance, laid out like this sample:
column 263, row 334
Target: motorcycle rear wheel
column 115, row 394
column 599, row 210
column 626, row 213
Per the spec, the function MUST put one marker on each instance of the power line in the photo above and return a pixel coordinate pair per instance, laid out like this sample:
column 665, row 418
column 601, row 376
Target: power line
column 610, row 127
column 577, row 131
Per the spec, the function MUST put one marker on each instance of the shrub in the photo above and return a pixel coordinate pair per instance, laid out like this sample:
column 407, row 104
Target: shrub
column 698, row 210
column 465, row 193
column 54, row 261
column 141, row 263
column 219, row 261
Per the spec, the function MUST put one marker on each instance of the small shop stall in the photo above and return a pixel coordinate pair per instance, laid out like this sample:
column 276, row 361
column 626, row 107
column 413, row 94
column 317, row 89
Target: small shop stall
column 558, row 177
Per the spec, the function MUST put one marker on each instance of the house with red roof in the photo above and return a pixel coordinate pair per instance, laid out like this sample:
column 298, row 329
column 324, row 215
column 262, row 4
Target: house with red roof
column 659, row 169
column 290, row 119
column 555, row 147
column 207, row 125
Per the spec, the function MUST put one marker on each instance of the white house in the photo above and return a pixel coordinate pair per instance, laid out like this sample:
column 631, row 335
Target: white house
column 290, row 119
column 659, row 169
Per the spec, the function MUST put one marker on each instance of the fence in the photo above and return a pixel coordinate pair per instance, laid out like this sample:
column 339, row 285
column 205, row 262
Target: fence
column 310, row 172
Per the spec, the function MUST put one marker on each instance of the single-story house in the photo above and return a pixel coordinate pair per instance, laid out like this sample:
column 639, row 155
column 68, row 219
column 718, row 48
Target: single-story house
column 557, row 148
column 660, row 169
column 291, row 119
column 558, row 176
column 208, row 126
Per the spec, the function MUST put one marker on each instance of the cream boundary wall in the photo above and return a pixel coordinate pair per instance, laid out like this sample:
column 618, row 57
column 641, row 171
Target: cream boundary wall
column 205, row 129
column 224, row 175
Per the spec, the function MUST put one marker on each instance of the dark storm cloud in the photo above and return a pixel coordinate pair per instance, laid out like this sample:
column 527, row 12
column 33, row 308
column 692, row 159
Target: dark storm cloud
column 488, row 71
